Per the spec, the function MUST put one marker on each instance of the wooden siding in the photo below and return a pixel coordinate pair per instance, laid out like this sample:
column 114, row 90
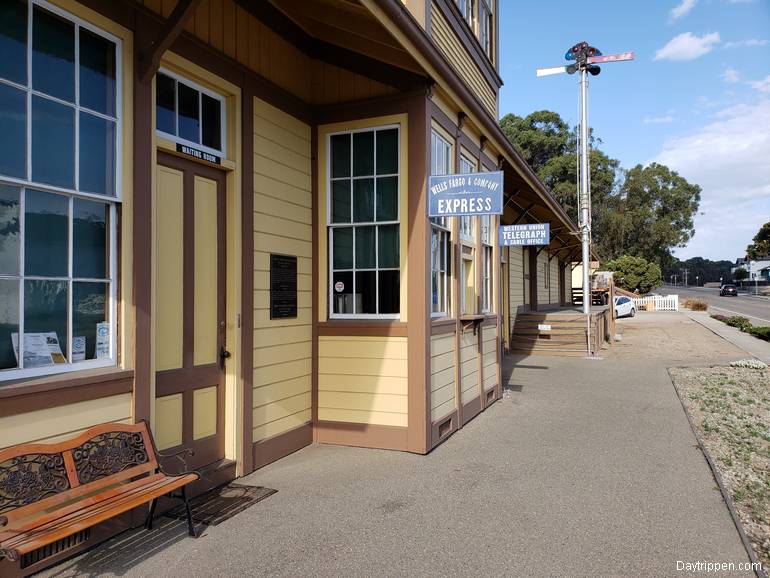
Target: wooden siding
column 282, row 224
column 489, row 356
column 230, row 29
column 363, row 380
column 443, row 395
column 553, row 288
column 59, row 423
column 461, row 61
column 543, row 283
column 469, row 366
column 515, row 278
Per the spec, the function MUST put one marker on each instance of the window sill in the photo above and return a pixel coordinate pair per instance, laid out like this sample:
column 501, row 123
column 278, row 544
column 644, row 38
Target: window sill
column 362, row 328
column 23, row 395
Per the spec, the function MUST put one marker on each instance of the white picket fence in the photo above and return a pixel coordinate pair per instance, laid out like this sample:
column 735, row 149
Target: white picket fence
column 657, row 303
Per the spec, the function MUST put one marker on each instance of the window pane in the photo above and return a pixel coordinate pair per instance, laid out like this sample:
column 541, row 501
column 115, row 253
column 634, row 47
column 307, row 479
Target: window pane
column 342, row 293
column 53, row 55
column 363, row 200
column 45, row 236
column 13, row 127
column 366, row 292
column 342, row 244
column 390, row 291
column 97, row 154
column 387, row 151
column 97, row 73
column 363, row 154
column 165, row 107
column 10, row 233
column 89, row 239
column 189, row 121
column 387, row 199
column 13, row 41
column 211, row 110
column 53, row 143
column 365, row 248
column 340, row 144
column 341, row 201
column 89, row 313
column 9, row 321
column 388, row 246
column 434, row 285
column 45, row 311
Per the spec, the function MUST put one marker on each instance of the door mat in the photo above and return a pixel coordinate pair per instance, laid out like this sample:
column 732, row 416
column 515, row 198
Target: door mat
column 222, row 503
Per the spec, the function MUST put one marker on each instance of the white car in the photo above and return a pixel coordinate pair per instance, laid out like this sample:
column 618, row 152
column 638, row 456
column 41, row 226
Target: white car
column 624, row 307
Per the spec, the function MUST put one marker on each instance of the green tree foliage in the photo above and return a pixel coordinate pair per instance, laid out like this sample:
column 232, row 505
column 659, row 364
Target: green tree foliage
column 646, row 211
column 704, row 270
column 634, row 273
column 761, row 245
column 741, row 274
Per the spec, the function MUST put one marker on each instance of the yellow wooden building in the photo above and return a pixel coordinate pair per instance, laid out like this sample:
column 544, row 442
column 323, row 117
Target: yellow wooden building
column 213, row 218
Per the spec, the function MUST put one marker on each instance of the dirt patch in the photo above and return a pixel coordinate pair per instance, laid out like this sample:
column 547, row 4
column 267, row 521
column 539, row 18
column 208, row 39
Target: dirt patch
column 670, row 336
column 730, row 407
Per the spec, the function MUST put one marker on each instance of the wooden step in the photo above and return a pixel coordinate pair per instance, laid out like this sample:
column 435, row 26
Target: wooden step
column 551, row 352
column 536, row 331
column 548, row 342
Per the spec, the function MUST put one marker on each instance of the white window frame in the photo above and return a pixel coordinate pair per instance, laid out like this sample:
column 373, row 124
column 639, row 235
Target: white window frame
column 486, row 279
column 222, row 114
column 468, row 223
column 21, row 372
column 485, row 28
column 353, row 225
column 441, row 150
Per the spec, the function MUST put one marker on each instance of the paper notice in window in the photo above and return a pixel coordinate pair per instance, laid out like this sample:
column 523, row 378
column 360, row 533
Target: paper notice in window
column 78, row 349
column 40, row 349
column 103, row 340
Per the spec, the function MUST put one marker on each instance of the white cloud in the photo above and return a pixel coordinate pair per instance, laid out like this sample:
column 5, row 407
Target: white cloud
column 728, row 159
column 762, row 86
column 681, row 9
column 750, row 42
column 730, row 75
column 658, row 119
column 687, row 46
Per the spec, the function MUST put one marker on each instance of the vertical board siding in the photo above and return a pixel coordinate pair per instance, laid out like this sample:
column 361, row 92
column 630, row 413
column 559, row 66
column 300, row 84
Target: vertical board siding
column 543, row 295
column 461, row 61
column 555, row 298
column 363, row 380
column 282, row 224
column 443, row 398
column 55, row 424
column 469, row 366
column 489, row 356
column 527, row 272
column 516, row 285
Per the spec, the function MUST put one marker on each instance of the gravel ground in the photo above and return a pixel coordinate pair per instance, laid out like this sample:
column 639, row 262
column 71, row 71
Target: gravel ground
column 730, row 407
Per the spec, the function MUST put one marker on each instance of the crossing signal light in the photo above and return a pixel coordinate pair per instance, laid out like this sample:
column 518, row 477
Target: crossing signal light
column 594, row 70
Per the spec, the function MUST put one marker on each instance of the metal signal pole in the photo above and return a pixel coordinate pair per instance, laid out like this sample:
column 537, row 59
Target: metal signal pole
column 585, row 59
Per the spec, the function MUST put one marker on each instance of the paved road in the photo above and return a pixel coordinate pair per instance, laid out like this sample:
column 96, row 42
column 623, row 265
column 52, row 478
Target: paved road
column 755, row 308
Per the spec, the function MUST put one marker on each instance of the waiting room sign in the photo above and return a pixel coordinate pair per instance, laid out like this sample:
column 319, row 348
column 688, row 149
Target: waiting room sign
column 521, row 235
column 468, row 194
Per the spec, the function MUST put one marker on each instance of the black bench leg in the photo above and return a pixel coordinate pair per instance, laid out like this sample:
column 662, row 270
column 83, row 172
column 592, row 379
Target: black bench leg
column 150, row 514
column 190, row 524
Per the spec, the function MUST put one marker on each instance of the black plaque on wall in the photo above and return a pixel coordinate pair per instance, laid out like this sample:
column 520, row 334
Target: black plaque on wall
column 283, row 286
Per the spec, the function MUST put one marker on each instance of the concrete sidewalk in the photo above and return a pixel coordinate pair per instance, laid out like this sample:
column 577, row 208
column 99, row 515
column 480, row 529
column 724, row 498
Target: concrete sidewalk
column 585, row 468
column 750, row 344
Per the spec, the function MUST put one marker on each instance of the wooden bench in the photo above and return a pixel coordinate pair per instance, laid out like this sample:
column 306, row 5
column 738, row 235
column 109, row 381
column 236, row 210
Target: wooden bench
column 49, row 492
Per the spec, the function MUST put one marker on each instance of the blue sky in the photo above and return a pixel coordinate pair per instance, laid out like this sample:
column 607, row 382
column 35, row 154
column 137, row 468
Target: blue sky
column 697, row 97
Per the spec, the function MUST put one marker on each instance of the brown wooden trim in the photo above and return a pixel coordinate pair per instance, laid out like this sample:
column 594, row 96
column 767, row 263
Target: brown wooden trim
column 443, row 327
column 418, row 255
column 443, row 120
column 532, row 256
column 471, row 409
column 470, row 42
column 281, row 445
column 246, row 315
column 398, row 103
column 489, row 321
column 363, row 435
column 362, row 328
column 435, row 429
column 314, row 290
column 63, row 390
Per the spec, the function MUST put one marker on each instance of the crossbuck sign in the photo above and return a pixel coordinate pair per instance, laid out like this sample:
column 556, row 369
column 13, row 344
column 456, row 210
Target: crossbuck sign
column 466, row 194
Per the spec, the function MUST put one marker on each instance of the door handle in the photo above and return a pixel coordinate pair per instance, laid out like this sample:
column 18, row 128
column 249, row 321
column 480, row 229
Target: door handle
column 223, row 355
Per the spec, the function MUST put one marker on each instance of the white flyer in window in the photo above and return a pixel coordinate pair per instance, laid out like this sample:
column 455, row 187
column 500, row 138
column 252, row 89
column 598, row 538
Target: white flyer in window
column 103, row 340
column 40, row 349
column 78, row 348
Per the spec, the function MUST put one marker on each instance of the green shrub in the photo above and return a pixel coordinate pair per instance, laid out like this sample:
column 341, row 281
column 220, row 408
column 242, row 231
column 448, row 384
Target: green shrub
column 759, row 332
column 738, row 321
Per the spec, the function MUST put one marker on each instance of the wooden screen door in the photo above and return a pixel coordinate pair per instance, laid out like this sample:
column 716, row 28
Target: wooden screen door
column 190, row 349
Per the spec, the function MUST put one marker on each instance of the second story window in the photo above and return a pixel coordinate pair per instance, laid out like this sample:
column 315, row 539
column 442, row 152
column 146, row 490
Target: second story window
column 467, row 9
column 485, row 27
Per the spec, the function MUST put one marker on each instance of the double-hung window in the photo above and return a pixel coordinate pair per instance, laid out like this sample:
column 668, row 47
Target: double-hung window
column 486, row 265
column 363, row 217
column 59, row 189
column 441, row 164
column 467, row 229
column 467, row 9
column 485, row 28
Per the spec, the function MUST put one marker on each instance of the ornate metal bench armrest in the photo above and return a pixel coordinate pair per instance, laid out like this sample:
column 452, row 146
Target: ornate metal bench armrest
column 175, row 454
